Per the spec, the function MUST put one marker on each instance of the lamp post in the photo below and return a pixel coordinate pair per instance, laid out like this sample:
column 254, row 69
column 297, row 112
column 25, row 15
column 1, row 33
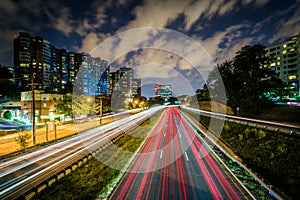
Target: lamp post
column 101, row 96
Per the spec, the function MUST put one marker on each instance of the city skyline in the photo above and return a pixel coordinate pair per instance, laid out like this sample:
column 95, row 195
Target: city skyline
column 221, row 28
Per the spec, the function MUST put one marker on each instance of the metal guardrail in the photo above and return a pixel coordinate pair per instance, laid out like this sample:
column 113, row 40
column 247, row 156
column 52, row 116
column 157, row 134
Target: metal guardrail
column 269, row 125
column 213, row 143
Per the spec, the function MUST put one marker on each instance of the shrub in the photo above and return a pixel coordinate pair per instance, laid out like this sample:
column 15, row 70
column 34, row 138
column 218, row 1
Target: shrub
column 261, row 134
column 22, row 139
column 2, row 133
column 7, row 115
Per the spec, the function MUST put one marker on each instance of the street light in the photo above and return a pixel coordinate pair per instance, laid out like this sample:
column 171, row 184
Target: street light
column 101, row 96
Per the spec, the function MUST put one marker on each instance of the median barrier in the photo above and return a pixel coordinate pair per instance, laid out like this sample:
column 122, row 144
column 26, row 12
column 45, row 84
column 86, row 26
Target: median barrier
column 68, row 170
column 74, row 166
column 61, row 175
column 28, row 195
column 41, row 187
column 52, row 180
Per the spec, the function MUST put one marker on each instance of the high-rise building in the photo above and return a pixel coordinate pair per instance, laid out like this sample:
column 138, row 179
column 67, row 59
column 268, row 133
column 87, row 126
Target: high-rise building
column 55, row 70
column 103, row 84
column 93, row 78
column 124, row 83
column 136, row 87
column 163, row 90
column 286, row 61
column 22, row 59
column 113, row 80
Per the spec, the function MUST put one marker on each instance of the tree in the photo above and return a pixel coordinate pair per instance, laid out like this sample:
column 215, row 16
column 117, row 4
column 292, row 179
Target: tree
column 65, row 105
column 106, row 105
column 155, row 101
column 83, row 104
column 7, row 115
column 203, row 94
column 246, row 79
column 22, row 139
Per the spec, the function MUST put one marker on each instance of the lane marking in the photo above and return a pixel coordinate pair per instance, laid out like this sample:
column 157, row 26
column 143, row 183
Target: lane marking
column 187, row 158
column 161, row 152
column 180, row 135
column 165, row 134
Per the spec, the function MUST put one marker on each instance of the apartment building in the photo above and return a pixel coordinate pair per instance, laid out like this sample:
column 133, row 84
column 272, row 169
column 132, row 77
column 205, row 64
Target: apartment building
column 286, row 61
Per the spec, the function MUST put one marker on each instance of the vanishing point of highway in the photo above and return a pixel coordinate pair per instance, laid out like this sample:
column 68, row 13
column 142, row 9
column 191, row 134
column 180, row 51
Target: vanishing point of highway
column 174, row 163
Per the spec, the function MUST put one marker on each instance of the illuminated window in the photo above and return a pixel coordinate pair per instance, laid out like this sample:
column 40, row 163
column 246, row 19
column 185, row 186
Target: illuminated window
column 284, row 46
column 284, row 52
column 44, row 105
column 273, row 64
column 278, row 63
column 291, row 77
column 278, row 58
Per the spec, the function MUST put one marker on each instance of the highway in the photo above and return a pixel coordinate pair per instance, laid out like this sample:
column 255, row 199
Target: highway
column 25, row 172
column 175, row 163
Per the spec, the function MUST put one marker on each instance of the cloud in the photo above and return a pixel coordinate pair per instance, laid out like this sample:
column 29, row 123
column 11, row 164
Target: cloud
column 261, row 2
column 63, row 23
column 8, row 7
column 258, row 3
column 60, row 17
column 230, row 39
column 288, row 26
column 158, row 48
column 89, row 42
column 153, row 13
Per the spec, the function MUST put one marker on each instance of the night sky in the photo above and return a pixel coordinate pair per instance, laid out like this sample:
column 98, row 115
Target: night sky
column 220, row 27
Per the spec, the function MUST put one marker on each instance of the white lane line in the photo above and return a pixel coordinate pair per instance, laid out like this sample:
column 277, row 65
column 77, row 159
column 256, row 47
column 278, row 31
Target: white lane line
column 186, row 156
column 165, row 134
column 161, row 152
column 180, row 135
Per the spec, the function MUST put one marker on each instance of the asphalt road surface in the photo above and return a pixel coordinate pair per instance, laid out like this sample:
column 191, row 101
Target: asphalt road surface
column 174, row 163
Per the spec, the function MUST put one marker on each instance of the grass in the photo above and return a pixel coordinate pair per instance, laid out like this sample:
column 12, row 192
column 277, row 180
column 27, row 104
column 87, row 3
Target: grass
column 94, row 178
column 283, row 113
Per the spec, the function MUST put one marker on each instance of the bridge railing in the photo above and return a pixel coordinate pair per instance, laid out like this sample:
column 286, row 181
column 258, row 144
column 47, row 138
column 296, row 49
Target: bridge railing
column 269, row 125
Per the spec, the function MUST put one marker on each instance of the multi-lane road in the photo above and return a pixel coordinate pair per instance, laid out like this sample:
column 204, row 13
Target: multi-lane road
column 174, row 163
column 19, row 175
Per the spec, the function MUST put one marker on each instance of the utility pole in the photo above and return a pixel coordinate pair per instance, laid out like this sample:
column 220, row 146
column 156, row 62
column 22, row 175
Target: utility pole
column 101, row 96
column 33, row 108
